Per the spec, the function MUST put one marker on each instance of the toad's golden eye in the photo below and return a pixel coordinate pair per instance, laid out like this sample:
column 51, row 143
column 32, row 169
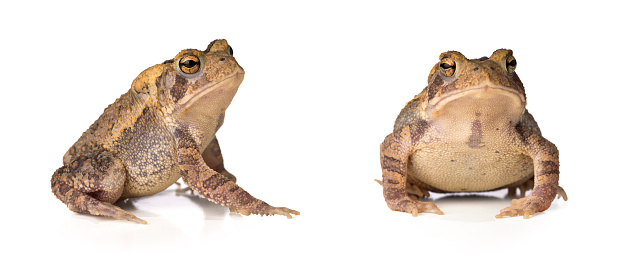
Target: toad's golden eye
column 189, row 64
column 511, row 64
column 448, row 67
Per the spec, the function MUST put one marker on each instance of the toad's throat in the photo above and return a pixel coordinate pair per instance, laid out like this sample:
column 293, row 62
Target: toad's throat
column 220, row 92
column 491, row 101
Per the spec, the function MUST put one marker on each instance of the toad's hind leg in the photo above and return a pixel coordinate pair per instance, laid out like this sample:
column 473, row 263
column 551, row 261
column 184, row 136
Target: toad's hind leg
column 91, row 184
column 394, row 152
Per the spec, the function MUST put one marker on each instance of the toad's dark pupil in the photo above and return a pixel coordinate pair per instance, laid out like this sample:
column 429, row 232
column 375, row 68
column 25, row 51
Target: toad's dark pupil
column 512, row 63
column 231, row 51
column 189, row 63
column 446, row 66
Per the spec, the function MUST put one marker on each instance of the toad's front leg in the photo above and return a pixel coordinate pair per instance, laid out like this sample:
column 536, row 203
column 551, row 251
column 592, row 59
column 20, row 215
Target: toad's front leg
column 546, row 173
column 216, row 187
column 395, row 151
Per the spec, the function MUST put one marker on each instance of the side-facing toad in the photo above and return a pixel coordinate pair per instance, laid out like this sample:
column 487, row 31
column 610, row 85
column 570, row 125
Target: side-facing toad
column 469, row 131
column 162, row 129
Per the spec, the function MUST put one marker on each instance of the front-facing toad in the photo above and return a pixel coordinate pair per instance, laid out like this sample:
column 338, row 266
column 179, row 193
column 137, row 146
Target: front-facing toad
column 162, row 129
column 469, row 131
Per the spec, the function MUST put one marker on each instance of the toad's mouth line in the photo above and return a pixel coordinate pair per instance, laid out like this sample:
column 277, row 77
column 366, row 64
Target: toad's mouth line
column 236, row 78
column 480, row 92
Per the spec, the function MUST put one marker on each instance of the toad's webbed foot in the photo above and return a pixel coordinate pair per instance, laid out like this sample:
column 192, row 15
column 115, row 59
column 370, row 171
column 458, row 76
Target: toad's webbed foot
column 110, row 210
column 535, row 202
column 415, row 207
column 562, row 193
column 400, row 201
column 268, row 210
column 525, row 206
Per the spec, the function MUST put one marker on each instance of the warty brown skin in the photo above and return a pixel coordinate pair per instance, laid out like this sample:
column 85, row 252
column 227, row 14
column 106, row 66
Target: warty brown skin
column 469, row 131
column 162, row 129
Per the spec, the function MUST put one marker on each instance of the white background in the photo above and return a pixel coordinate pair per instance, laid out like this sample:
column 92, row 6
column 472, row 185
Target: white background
column 324, row 83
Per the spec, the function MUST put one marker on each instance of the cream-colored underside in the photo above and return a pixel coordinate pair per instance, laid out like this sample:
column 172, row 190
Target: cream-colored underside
column 473, row 146
column 452, row 168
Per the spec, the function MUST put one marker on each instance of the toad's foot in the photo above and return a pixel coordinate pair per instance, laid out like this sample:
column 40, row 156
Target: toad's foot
column 267, row 211
column 413, row 206
column 110, row 210
column 525, row 206
column 562, row 193
column 539, row 200
column 182, row 191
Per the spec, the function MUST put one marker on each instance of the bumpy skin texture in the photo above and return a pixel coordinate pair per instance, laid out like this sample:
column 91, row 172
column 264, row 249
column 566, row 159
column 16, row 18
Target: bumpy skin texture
column 469, row 131
column 162, row 129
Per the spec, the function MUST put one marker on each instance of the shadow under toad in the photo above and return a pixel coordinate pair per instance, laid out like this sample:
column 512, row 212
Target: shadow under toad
column 471, row 207
column 212, row 210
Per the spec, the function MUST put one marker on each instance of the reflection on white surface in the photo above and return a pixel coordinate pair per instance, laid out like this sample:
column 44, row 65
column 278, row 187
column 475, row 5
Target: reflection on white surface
column 360, row 232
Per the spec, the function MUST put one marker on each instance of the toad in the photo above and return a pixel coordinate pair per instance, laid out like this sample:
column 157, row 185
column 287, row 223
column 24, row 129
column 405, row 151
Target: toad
column 162, row 129
column 469, row 131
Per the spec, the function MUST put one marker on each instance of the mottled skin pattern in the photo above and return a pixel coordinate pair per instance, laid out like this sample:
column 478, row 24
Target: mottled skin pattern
column 468, row 131
column 162, row 129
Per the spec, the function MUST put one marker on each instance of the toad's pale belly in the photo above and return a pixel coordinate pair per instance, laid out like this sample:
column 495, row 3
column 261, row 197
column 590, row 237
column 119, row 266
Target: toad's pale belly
column 457, row 167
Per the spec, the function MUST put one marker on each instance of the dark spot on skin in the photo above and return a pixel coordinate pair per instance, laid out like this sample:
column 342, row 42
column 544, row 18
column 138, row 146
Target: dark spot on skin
column 233, row 189
column 547, row 191
column 547, row 168
column 497, row 151
column 432, row 87
column 168, row 62
column 476, row 138
column 451, row 160
column 214, row 181
column 185, row 140
column 391, row 181
column 418, row 130
column 179, row 89
column 393, row 165
column 220, row 120
column 523, row 132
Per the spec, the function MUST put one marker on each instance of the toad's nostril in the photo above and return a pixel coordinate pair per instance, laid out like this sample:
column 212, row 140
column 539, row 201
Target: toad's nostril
column 222, row 59
column 476, row 69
